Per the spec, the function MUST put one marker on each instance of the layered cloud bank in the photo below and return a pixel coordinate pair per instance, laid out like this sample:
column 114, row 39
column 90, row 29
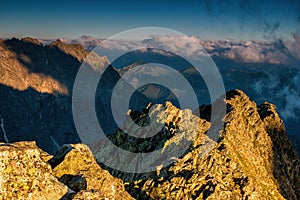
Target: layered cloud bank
column 274, row 51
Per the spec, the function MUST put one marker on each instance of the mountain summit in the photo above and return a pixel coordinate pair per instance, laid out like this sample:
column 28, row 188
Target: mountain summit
column 252, row 159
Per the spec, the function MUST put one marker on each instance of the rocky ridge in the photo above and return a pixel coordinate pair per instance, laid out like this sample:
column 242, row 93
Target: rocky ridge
column 252, row 159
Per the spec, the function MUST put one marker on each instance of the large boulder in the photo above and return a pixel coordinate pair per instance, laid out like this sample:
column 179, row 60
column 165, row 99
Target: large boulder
column 76, row 167
column 24, row 174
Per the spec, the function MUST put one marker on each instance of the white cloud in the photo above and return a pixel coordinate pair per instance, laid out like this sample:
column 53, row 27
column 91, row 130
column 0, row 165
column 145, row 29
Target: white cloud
column 276, row 52
column 185, row 46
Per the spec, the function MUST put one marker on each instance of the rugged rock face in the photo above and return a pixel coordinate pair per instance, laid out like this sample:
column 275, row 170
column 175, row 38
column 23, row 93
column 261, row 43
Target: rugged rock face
column 285, row 162
column 253, row 158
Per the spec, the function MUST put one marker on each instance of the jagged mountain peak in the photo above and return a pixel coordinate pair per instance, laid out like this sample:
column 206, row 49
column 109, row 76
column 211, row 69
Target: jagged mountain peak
column 31, row 40
column 22, row 41
column 56, row 43
column 88, row 42
column 75, row 50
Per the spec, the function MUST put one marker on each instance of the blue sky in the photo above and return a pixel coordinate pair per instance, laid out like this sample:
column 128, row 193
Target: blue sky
column 208, row 19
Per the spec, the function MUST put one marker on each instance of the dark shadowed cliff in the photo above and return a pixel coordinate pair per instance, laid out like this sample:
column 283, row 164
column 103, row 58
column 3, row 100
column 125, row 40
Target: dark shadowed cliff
column 36, row 87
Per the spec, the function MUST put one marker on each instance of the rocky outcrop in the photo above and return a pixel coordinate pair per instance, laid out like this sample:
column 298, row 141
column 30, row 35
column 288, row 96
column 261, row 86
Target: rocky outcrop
column 29, row 173
column 25, row 174
column 76, row 167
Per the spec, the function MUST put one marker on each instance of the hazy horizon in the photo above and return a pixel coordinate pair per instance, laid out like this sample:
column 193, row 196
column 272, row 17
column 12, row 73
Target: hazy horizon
column 69, row 39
